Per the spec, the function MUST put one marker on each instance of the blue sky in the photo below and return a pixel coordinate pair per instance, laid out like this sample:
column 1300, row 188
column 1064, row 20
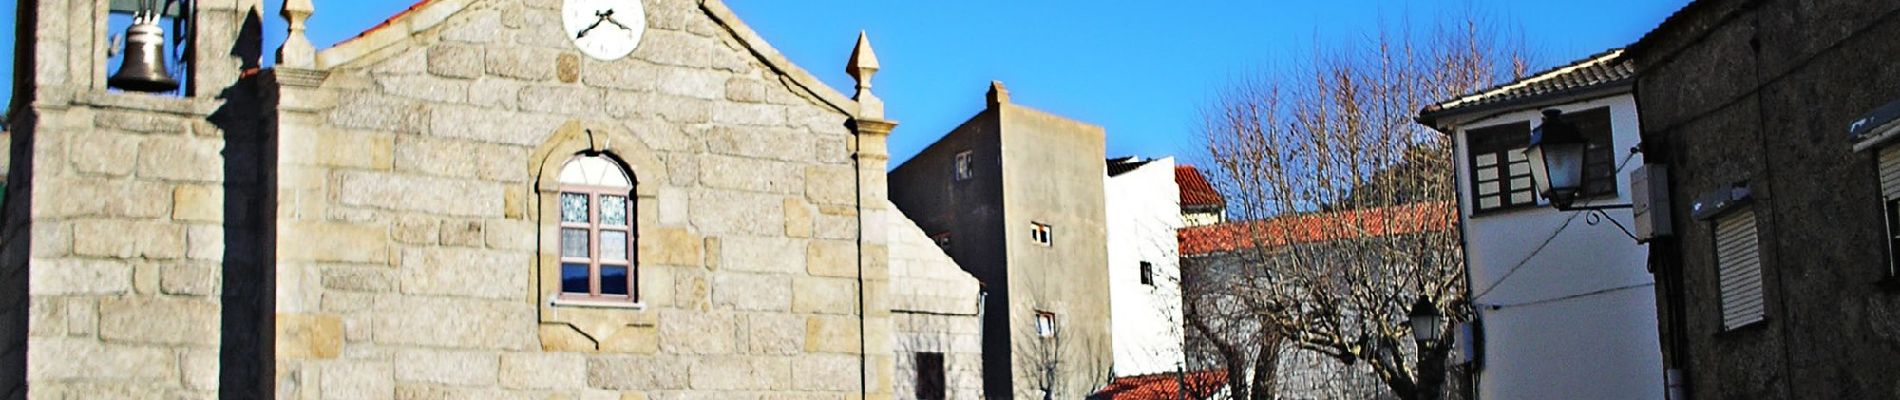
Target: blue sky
column 1141, row 69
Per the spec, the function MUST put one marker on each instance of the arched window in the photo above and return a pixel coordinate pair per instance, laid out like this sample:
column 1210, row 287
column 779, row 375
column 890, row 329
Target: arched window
column 597, row 231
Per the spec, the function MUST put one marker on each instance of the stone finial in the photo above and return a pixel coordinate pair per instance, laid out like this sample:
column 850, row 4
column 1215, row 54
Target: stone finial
column 998, row 94
column 297, row 51
column 862, row 66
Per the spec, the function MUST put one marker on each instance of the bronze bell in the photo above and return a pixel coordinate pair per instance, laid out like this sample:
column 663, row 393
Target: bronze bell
column 143, row 69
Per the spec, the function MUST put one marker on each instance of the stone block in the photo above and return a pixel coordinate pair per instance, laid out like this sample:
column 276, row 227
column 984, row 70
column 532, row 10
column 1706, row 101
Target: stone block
column 745, row 90
column 619, row 75
column 141, row 122
column 104, row 153
column 674, row 109
column 748, row 114
column 333, row 241
column 359, row 279
column 683, row 49
column 562, row 337
column 752, row 292
column 798, row 217
column 523, row 63
column 347, row 149
column 767, row 255
column 696, row 83
column 45, row 316
column 66, row 276
column 543, row 371
column 697, row 332
column 418, row 193
column 465, row 272
column 835, row 258
column 128, row 239
column 567, row 99
column 462, row 368
column 691, row 290
column 200, row 203
column 190, row 279
column 669, row 246
column 822, row 295
column 831, row 334
column 633, row 339
column 751, row 175
column 425, row 88
column 199, row 369
column 455, row 60
column 461, row 159
column 779, row 334
column 455, row 323
column 358, row 381
column 77, row 196
column 373, row 111
column 735, row 373
column 567, row 68
column 58, row 359
column 462, row 233
column 494, row 93
column 159, row 321
column 825, row 372
column 478, row 27
column 759, row 142
column 512, row 234
column 831, row 184
column 182, row 158
column 636, row 373
column 492, row 126
column 415, row 229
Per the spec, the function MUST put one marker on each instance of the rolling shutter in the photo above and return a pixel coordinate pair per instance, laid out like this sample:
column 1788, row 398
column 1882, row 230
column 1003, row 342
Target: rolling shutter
column 1738, row 262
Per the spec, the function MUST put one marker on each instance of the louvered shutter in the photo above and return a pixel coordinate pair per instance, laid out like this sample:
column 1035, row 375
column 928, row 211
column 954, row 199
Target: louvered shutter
column 1890, row 173
column 1738, row 262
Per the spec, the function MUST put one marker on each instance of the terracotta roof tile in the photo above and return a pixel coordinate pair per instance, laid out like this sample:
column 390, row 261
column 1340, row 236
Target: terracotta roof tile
column 1164, row 386
column 1599, row 70
column 1316, row 228
column 1195, row 191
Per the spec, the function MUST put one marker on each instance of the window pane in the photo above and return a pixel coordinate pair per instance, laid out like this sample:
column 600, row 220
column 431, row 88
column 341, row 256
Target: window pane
column 574, row 278
column 573, row 207
column 613, row 280
column 613, row 245
column 613, row 210
column 574, row 243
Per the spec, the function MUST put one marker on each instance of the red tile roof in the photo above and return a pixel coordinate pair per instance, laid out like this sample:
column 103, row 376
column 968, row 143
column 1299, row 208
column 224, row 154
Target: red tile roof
column 1195, row 191
column 1316, row 227
column 1164, row 386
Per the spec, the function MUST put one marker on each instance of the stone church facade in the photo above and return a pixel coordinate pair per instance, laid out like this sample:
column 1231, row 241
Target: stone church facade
column 459, row 204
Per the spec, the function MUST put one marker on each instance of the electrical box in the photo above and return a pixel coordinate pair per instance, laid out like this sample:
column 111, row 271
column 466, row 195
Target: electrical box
column 1649, row 201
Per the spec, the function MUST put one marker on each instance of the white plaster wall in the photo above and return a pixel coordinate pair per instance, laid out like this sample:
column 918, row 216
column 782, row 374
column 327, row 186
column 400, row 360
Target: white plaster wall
column 1600, row 346
column 1143, row 214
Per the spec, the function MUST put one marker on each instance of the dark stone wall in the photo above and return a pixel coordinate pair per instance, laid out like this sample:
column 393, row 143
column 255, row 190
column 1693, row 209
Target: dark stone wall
column 925, row 189
column 1762, row 92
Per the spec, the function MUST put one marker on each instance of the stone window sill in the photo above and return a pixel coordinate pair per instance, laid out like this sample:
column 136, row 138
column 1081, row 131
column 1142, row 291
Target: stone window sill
column 560, row 302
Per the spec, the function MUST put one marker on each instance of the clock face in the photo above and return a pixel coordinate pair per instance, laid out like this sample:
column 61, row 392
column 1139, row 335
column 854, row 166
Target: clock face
column 604, row 29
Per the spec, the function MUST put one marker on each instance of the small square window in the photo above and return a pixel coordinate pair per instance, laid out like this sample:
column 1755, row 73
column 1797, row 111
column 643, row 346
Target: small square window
column 965, row 170
column 1147, row 273
column 1041, row 233
column 942, row 239
column 1045, row 324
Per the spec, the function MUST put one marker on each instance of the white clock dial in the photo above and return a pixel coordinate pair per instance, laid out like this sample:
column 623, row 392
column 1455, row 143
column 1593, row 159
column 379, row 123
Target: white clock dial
column 604, row 29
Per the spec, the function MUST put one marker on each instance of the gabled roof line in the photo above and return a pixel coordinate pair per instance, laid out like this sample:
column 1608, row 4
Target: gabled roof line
column 425, row 14
column 1553, row 73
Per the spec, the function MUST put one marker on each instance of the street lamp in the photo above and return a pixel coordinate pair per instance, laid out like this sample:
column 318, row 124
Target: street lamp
column 1425, row 319
column 1431, row 373
column 1556, row 151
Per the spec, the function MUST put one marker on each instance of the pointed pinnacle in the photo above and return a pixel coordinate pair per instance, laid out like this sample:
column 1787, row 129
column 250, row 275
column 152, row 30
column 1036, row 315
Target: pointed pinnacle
column 863, row 60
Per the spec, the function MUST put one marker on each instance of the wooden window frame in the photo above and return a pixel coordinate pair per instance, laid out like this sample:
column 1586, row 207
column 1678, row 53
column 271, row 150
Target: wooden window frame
column 1046, row 324
column 594, row 260
column 1043, row 234
column 1503, row 140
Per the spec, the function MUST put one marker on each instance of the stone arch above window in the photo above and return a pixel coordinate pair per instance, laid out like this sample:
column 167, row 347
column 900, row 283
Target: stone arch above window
column 607, row 182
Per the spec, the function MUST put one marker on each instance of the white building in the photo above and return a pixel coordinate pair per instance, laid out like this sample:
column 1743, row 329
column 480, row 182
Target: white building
column 1566, row 304
column 1144, row 271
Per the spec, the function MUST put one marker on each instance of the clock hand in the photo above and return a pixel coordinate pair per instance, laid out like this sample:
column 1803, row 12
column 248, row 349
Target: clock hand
column 610, row 19
column 601, row 16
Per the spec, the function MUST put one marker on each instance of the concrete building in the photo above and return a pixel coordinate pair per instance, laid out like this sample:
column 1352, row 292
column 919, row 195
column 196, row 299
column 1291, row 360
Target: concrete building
column 1144, row 271
column 1015, row 196
column 1564, row 301
column 464, row 202
column 1779, row 280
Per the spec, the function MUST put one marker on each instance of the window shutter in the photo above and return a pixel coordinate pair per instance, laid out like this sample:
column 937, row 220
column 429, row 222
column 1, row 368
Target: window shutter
column 1738, row 262
column 1890, row 172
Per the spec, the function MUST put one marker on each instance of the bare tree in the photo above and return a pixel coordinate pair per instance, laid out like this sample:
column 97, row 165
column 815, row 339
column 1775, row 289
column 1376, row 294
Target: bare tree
column 1351, row 202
